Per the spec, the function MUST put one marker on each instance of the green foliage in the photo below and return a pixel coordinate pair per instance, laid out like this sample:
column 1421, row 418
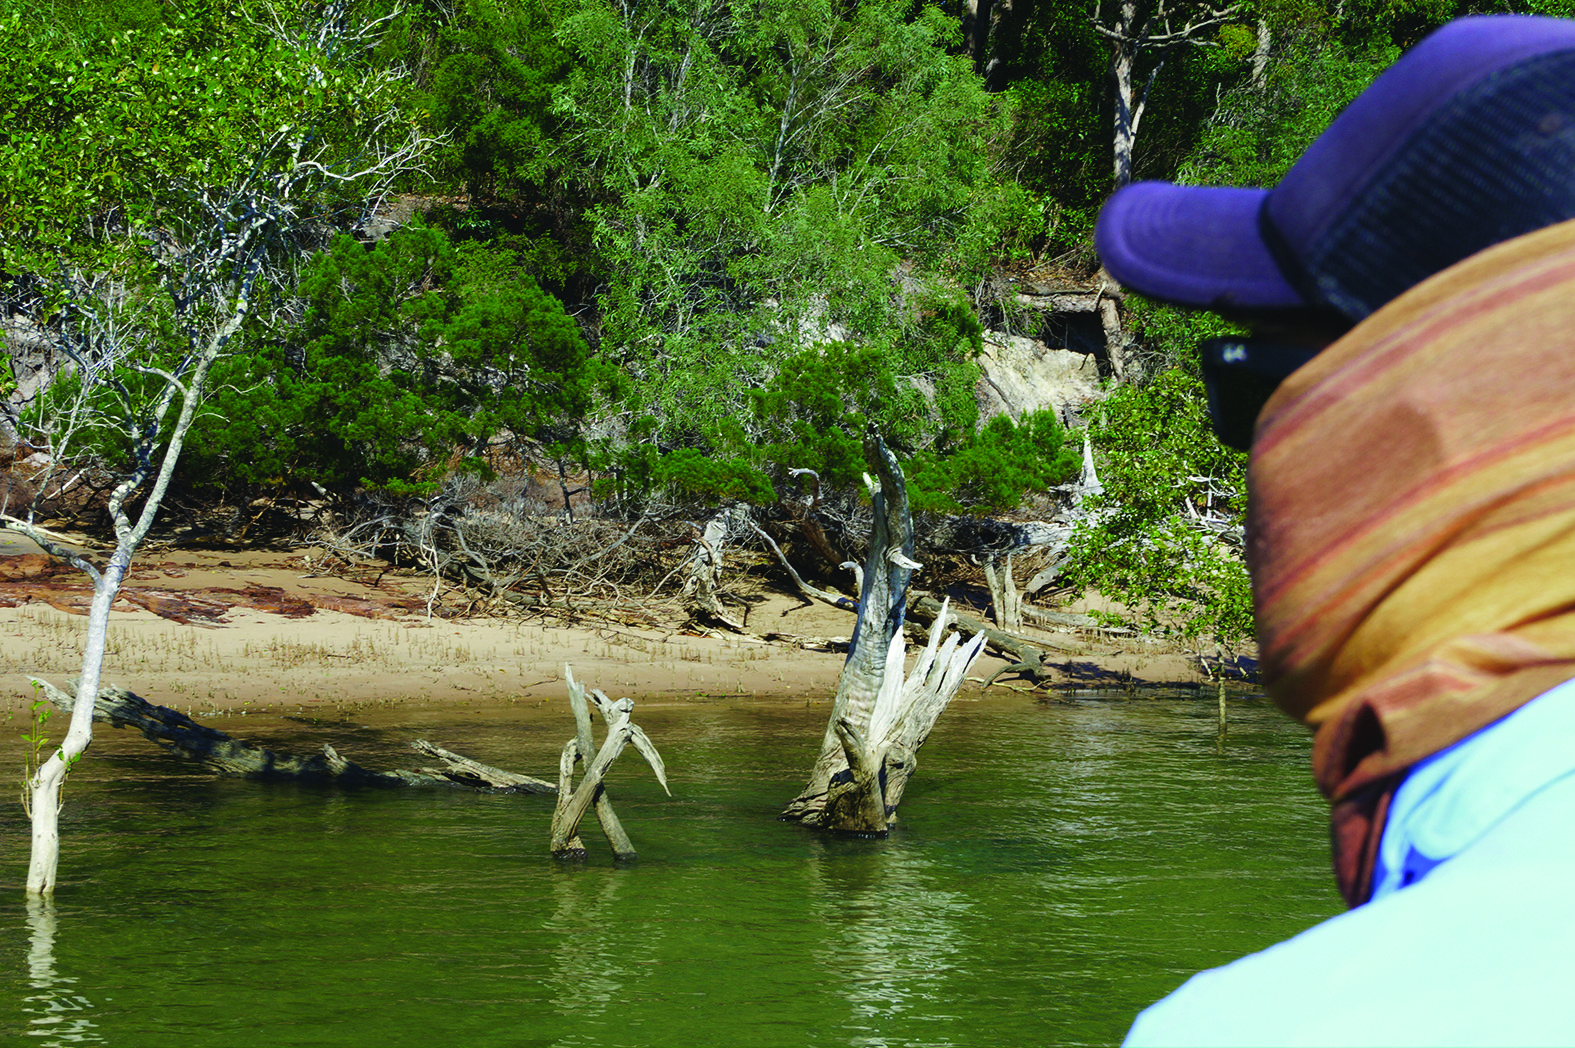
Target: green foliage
column 36, row 737
column 1257, row 133
column 125, row 133
column 994, row 469
column 695, row 473
column 733, row 169
column 814, row 412
column 490, row 94
column 1162, row 469
column 412, row 357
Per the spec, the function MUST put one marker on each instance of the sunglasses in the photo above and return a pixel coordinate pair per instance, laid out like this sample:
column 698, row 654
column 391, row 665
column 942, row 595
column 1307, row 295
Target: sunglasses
column 1240, row 374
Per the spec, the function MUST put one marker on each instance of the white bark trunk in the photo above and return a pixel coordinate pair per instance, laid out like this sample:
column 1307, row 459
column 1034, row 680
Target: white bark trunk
column 1128, row 106
column 45, row 786
column 705, row 570
column 1260, row 55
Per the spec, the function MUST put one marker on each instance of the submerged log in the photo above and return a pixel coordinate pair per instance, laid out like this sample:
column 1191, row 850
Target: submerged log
column 228, row 756
column 879, row 720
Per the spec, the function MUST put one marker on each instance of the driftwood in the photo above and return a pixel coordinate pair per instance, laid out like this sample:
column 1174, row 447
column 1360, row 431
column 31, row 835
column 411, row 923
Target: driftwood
column 704, row 570
column 1028, row 653
column 223, row 755
column 575, row 801
column 1052, row 536
column 879, row 720
column 462, row 771
column 227, row 756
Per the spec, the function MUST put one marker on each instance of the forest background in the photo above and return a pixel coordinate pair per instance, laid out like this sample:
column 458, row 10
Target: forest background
column 668, row 255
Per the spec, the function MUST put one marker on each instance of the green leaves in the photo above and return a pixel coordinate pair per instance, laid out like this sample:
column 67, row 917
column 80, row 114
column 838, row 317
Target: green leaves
column 995, row 468
column 411, row 357
column 737, row 169
column 1171, row 494
column 125, row 131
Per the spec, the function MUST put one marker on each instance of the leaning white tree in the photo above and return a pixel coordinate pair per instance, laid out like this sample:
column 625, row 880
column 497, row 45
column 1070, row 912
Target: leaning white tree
column 141, row 295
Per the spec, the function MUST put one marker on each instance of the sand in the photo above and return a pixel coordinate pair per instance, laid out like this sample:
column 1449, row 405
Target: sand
column 231, row 656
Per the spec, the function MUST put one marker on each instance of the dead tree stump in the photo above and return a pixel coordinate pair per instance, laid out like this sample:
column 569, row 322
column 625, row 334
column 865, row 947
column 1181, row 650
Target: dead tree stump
column 879, row 720
column 575, row 801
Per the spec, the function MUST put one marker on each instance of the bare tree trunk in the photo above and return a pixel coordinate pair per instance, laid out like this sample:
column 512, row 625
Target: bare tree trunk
column 1128, row 103
column 45, row 785
column 976, row 32
column 1110, row 323
column 879, row 720
column 149, row 390
column 1260, row 55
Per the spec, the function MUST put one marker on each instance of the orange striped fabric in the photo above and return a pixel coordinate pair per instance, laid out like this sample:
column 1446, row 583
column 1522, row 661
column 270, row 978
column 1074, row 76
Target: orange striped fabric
column 1411, row 534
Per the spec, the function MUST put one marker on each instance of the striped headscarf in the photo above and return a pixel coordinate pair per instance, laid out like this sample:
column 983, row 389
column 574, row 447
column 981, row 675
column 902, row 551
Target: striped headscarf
column 1411, row 534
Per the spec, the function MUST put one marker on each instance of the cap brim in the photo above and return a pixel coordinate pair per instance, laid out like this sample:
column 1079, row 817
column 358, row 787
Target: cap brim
column 1192, row 245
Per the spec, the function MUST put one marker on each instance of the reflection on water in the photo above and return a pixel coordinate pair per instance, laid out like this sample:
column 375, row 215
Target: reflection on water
column 1058, row 866
column 590, row 966
column 892, row 936
column 58, row 1015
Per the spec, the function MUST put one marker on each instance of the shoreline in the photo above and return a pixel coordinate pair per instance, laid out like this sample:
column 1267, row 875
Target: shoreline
column 305, row 654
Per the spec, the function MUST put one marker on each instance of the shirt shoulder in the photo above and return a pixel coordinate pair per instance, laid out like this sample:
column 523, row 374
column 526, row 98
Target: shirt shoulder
column 1476, row 953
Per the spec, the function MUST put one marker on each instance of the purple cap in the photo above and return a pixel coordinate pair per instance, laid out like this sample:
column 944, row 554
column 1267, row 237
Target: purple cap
column 1467, row 140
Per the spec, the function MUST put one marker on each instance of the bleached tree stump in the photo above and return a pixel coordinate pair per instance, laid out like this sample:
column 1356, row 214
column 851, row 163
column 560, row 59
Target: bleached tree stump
column 1004, row 597
column 575, row 801
column 879, row 719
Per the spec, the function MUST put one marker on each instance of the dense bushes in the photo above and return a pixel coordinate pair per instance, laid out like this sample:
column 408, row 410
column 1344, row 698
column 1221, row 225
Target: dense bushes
column 409, row 359
column 688, row 248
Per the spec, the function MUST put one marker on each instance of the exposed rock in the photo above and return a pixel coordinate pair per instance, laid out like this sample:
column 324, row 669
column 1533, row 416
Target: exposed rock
column 1023, row 375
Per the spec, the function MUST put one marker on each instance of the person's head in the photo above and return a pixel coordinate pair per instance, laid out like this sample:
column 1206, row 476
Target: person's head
column 1411, row 510
column 1467, row 141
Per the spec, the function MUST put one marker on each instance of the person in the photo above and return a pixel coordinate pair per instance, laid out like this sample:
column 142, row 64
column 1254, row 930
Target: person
column 1408, row 397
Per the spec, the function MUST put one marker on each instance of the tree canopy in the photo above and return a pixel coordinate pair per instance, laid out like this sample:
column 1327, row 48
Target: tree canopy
column 689, row 245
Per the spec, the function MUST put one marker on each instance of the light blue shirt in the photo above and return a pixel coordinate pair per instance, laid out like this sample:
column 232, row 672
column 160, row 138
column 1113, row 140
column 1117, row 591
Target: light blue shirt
column 1470, row 934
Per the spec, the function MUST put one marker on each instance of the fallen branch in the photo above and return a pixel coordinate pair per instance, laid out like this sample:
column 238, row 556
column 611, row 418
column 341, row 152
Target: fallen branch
column 462, row 771
column 836, row 600
column 223, row 755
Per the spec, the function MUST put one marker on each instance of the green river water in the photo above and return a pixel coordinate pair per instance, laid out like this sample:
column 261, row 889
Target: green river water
column 1058, row 866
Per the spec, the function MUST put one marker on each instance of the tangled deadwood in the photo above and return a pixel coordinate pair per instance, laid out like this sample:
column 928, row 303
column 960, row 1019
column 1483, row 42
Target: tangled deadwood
column 591, row 793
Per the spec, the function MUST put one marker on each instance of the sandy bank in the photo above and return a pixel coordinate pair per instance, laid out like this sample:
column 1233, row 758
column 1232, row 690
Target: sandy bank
column 232, row 655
